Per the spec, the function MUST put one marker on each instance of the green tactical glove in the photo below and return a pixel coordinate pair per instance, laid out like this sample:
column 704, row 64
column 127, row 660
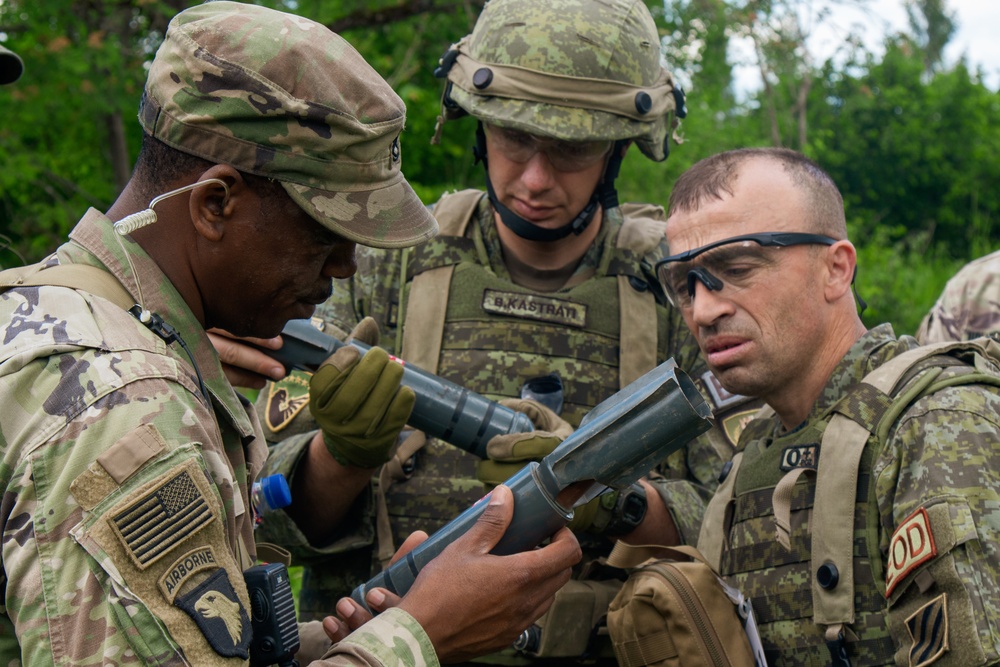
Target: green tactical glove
column 359, row 403
column 612, row 514
column 509, row 453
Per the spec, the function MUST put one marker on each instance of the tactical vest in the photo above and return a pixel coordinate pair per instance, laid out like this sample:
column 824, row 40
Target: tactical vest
column 818, row 589
column 486, row 333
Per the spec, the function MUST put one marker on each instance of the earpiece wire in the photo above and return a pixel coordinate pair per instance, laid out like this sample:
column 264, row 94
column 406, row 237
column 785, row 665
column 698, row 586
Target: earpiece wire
column 135, row 221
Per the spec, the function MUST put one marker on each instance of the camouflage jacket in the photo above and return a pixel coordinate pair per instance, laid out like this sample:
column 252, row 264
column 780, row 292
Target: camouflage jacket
column 125, row 485
column 373, row 291
column 969, row 306
column 926, row 529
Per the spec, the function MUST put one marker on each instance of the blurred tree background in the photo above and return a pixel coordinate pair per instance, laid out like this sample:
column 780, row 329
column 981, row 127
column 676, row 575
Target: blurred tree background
column 911, row 140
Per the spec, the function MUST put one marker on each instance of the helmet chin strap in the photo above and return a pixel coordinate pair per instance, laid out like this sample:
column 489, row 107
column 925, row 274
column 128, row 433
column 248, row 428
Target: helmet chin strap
column 604, row 195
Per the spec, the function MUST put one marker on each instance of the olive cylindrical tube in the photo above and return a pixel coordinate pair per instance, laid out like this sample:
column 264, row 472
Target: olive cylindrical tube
column 536, row 516
column 442, row 409
column 618, row 442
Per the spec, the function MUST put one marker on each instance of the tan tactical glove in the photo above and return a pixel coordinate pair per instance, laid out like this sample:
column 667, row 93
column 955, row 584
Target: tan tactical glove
column 358, row 401
column 509, row 453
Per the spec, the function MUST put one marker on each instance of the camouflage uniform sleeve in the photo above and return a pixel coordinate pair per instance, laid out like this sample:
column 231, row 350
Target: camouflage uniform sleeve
column 969, row 305
column 117, row 523
column 938, row 492
column 391, row 639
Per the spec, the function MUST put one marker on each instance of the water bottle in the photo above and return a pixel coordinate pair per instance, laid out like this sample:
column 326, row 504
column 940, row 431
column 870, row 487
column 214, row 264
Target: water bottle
column 269, row 494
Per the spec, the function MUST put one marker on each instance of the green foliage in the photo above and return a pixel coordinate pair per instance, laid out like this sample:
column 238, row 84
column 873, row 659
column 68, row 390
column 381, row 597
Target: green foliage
column 913, row 144
column 911, row 157
column 900, row 280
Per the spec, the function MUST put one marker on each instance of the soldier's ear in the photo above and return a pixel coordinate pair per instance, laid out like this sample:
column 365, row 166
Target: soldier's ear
column 840, row 260
column 212, row 207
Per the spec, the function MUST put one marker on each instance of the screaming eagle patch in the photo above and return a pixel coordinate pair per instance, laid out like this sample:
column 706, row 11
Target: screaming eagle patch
column 928, row 628
column 286, row 398
column 221, row 618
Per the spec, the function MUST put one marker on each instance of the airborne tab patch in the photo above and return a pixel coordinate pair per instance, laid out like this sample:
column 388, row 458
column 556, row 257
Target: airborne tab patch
column 286, row 398
column 184, row 568
column 912, row 544
column 221, row 618
column 162, row 518
column 800, row 456
column 928, row 627
column 534, row 307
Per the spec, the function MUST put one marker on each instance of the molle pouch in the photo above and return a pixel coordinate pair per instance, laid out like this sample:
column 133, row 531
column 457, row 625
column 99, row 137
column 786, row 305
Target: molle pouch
column 153, row 524
column 574, row 625
column 676, row 612
column 934, row 596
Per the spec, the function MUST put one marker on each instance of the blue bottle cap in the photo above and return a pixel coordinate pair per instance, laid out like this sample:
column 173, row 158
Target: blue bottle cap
column 275, row 491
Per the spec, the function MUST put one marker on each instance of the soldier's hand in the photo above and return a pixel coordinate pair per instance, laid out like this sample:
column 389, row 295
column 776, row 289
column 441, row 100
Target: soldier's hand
column 358, row 402
column 510, row 452
column 352, row 615
column 244, row 365
column 471, row 602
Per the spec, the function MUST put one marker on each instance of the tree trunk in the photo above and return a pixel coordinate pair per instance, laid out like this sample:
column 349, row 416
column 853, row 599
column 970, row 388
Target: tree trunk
column 801, row 104
column 119, row 150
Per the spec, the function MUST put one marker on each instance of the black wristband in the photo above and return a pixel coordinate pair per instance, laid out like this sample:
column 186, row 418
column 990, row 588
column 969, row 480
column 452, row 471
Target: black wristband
column 628, row 512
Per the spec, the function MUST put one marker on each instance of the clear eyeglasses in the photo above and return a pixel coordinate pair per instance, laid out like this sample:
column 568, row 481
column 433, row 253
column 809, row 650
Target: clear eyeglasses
column 729, row 265
column 565, row 156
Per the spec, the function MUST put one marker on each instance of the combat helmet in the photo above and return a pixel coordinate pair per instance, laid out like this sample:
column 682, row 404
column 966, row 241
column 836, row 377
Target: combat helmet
column 574, row 70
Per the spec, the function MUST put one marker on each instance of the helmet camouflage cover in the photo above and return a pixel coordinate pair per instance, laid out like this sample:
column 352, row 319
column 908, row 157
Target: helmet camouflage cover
column 576, row 70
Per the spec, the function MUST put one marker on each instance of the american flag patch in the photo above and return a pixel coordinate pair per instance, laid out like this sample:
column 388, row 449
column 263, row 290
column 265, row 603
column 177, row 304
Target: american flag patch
column 163, row 518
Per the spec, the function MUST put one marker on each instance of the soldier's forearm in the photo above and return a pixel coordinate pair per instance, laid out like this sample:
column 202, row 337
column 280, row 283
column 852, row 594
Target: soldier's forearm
column 658, row 525
column 323, row 491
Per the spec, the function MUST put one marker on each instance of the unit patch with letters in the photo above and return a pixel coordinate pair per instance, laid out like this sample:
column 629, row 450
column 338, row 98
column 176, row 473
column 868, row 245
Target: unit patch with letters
column 912, row 545
column 800, row 456
column 184, row 568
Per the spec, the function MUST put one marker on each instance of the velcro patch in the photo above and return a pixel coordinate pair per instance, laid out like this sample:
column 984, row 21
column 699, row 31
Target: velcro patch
column 221, row 618
column 721, row 397
column 180, row 572
column 912, row 544
column 733, row 425
column 800, row 456
column 286, row 398
column 928, row 627
column 534, row 307
column 168, row 514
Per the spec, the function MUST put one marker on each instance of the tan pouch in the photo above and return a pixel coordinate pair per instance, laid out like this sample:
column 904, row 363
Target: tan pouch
column 675, row 612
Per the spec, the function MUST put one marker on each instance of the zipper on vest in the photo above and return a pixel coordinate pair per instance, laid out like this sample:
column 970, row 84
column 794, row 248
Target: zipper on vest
column 696, row 612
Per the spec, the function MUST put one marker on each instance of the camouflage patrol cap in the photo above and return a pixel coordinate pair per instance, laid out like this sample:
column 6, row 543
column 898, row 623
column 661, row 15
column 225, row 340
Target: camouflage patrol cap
column 281, row 96
column 576, row 70
column 11, row 66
